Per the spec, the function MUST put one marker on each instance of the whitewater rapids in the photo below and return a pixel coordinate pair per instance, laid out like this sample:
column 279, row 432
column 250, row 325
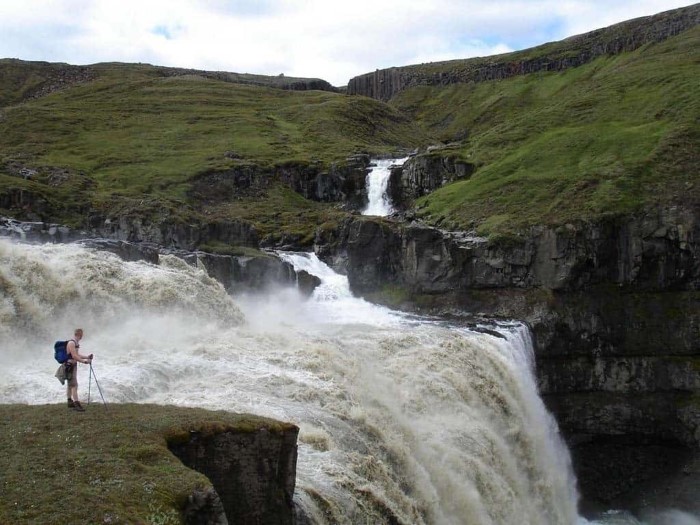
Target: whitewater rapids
column 402, row 419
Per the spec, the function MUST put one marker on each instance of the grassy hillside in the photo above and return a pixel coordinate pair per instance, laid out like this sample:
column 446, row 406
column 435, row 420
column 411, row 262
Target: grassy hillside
column 613, row 136
column 129, row 133
column 20, row 80
column 608, row 137
column 102, row 466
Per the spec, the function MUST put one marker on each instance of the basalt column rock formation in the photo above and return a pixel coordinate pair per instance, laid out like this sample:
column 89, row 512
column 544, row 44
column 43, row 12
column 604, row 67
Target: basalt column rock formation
column 572, row 52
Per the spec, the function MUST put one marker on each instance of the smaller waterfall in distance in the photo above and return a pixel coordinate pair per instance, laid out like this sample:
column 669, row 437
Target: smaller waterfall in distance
column 377, row 182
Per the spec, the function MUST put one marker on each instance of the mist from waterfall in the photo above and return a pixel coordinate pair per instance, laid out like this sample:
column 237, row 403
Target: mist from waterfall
column 402, row 419
column 377, row 183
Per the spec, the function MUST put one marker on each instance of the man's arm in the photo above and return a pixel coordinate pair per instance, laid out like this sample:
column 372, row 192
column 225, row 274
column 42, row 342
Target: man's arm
column 77, row 356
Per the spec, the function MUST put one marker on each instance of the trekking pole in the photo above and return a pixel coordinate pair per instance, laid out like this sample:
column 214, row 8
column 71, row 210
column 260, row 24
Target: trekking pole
column 92, row 371
column 89, row 386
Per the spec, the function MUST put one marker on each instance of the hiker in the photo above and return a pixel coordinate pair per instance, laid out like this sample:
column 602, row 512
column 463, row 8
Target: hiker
column 75, row 357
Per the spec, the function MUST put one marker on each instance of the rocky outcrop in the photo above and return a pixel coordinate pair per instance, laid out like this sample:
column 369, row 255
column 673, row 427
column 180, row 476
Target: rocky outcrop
column 204, row 507
column 245, row 273
column 238, row 273
column 614, row 307
column 423, row 174
column 174, row 234
column 650, row 252
column 278, row 81
column 253, row 473
column 572, row 52
column 342, row 182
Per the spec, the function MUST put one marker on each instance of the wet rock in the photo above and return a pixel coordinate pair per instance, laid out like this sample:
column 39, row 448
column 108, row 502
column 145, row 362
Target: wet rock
column 423, row 174
column 248, row 273
column 307, row 283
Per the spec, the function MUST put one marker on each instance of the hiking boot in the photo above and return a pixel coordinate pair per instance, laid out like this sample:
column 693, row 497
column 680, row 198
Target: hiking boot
column 71, row 404
column 78, row 407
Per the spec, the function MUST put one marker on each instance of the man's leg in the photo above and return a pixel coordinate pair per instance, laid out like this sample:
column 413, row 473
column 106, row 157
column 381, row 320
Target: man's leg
column 69, row 395
column 73, row 383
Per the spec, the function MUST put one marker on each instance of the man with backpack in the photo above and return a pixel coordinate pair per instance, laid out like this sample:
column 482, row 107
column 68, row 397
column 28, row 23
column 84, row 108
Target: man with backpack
column 71, row 370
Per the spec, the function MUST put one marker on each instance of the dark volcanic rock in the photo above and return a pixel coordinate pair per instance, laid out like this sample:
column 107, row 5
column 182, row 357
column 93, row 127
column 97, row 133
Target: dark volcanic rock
column 343, row 182
column 204, row 507
column 423, row 174
column 240, row 273
column 253, row 473
column 127, row 251
column 307, row 283
column 172, row 234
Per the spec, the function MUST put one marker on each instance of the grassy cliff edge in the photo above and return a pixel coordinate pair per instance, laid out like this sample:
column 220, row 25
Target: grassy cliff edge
column 104, row 465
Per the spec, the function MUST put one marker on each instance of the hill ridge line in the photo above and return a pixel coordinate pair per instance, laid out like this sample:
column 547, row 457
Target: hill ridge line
column 384, row 84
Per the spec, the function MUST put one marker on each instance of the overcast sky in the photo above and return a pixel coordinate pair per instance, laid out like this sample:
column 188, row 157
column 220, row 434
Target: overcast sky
column 330, row 39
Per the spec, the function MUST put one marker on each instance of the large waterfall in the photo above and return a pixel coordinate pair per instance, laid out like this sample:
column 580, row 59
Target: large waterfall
column 402, row 419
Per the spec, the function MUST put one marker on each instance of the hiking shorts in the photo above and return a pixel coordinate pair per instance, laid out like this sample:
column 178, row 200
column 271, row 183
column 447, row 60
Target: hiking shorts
column 72, row 374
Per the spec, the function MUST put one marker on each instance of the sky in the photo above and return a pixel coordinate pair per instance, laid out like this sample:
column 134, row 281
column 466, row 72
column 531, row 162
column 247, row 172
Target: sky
column 330, row 39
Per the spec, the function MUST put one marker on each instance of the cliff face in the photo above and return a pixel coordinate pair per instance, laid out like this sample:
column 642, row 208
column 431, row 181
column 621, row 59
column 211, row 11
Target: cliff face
column 132, row 242
column 572, row 52
column 654, row 251
column 253, row 474
column 341, row 183
column 423, row 174
column 614, row 307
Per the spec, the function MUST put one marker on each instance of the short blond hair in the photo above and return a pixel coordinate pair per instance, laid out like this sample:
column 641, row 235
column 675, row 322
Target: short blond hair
column 78, row 331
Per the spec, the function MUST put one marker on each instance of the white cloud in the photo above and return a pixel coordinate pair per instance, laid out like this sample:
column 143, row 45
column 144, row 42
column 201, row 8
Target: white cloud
column 330, row 39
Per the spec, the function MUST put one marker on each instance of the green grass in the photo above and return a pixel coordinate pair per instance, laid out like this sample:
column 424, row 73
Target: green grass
column 59, row 466
column 615, row 136
column 154, row 135
column 609, row 137
column 132, row 134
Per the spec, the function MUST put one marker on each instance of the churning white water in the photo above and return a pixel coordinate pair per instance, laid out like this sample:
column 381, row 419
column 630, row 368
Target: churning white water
column 402, row 419
column 377, row 183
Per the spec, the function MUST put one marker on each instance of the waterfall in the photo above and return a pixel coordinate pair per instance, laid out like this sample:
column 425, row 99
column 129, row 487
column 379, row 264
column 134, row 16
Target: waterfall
column 402, row 419
column 377, row 183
